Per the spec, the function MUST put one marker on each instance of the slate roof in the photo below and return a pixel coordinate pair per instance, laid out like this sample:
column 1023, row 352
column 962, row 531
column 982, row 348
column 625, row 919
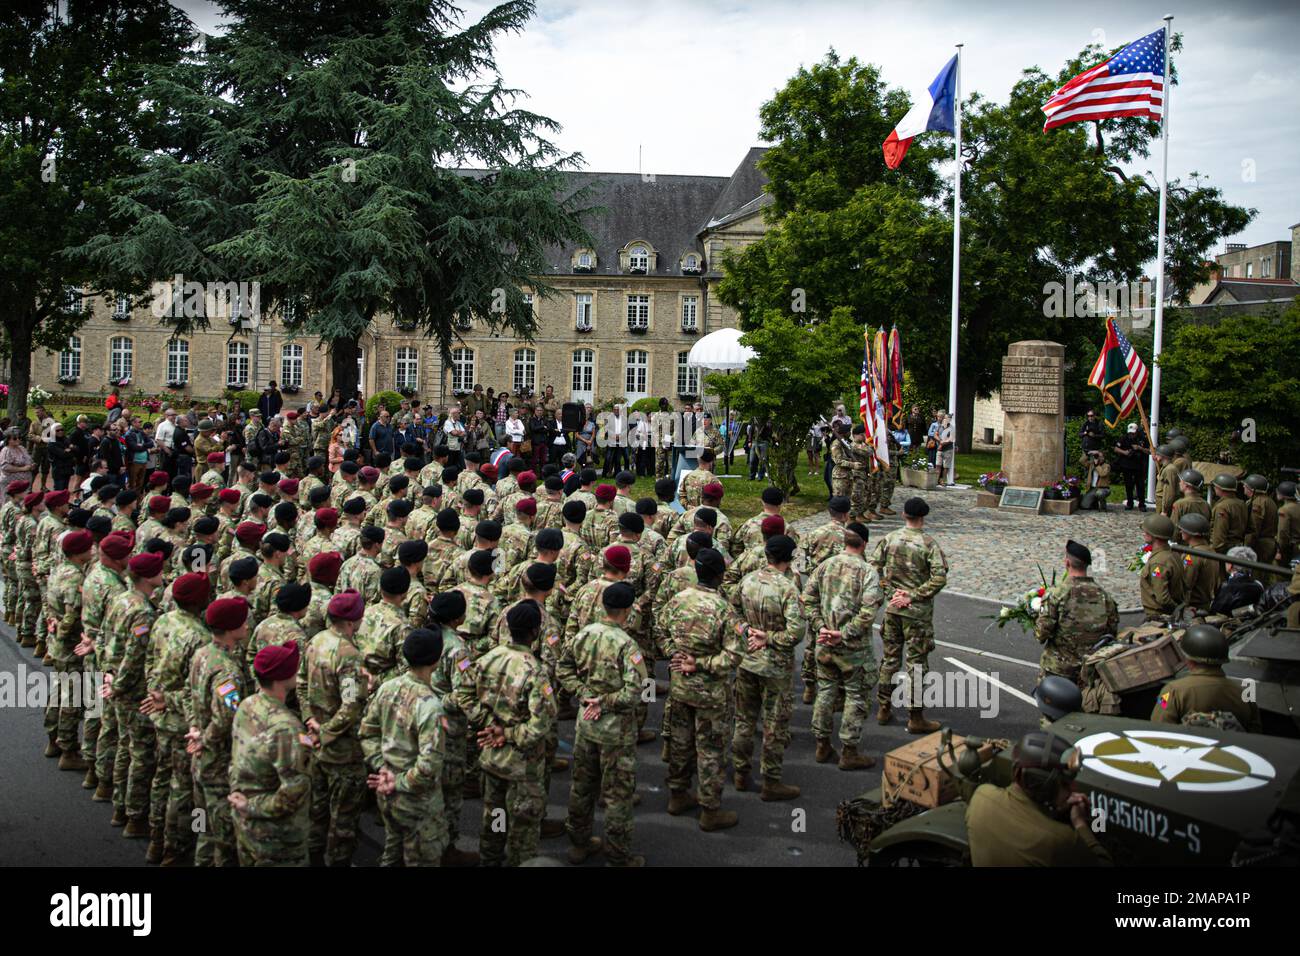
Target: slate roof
column 1253, row 290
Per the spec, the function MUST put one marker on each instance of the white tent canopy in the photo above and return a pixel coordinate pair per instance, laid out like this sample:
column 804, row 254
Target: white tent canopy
column 721, row 350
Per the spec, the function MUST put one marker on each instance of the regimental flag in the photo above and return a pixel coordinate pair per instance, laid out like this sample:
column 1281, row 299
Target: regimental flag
column 1121, row 375
column 1131, row 83
column 866, row 400
column 870, row 407
column 933, row 108
column 894, row 377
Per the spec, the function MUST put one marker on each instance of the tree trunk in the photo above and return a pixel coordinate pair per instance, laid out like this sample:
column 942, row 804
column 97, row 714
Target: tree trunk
column 783, row 457
column 965, row 411
column 20, row 362
column 343, row 366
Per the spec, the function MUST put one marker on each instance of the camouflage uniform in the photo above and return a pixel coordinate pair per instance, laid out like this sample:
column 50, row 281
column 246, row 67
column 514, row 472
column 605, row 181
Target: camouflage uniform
column 9, row 513
column 29, row 606
column 688, row 489
column 277, row 628
column 822, row 544
column 860, row 456
column 393, row 539
column 101, row 585
column 599, row 528
column 769, row 601
column 841, row 467
column 442, row 552
column 360, row 573
column 336, row 698
column 516, row 542
column 843, row 594
column 405, row 730
column 127, row 623
column 63, row 604
column 269, row 759
column 262, row 602
column 911, row 560
column 315, row 620
column 216, row 686
column 603, row 661
column 550, row 514
column 379, row 639
column 446, row 680
column 508, row 686
column 415, row 606
column 1075, row 615
column 700, row 623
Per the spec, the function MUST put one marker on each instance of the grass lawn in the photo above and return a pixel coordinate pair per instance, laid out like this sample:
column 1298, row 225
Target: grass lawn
column 60, row 411
column 971, row 466
column 742, row 498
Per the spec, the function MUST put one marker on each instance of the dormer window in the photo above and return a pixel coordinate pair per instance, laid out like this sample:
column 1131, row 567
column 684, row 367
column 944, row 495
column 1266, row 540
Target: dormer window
column 691, row 263
column 638, row 259
column 584, row 260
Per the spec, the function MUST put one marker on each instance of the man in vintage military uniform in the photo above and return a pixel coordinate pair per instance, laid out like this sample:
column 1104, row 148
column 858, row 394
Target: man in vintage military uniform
column 1203, row 696
column 510, row 701
column 337, row 691
column 361, row 571
column 703, row 640
column 1191, row 483
column 1024, row 824
column 1075, row 614
column 1229, row 516
column 217, row 684
column 1288, row 523
column 1166, row 478
column 1201, row 576
column 1261, row 517
column 384, row 626
column 604, row 670
column 403, row 737
column 840, row 603
column 446, row 614
column 1161, row 580
column 177, row 635
column 270, row 785
column 768, row 602
column 912, row 571
column 63, row 604
column 105, row 580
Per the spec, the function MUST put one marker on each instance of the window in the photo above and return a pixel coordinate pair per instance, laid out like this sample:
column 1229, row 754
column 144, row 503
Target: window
column 289, row 312
column 120, row 358
column 528, row 301
column 178, row 360
column 291, row 365
column 638, row 311
column 462, row 369
column 691, row 263
column 70, row 359
column 584, row 373
column 525, row 371
column 638, row 258
column 72, row 300
column 584, row 260
column 123, row 305
column 582, row 309
column 464, row 321
column 407, row 366
column 1250, row 270
column 690, row 311
column 638, row 369
column 1266, row 267
column 237, row 363
column 688, row 376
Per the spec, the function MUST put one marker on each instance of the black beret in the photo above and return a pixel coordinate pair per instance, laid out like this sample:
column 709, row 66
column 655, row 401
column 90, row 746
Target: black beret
column 412, row 552
column 262, row 501
column 269, row 478
column 395, row 580
column 372, row 534
column 318, row 495
column 399, row 508
column 541, row 576
column 666, row 489
column 701, row 539
column 104, row 492
column 631, row 521
column 1078, row 551
column 488, row 530
column 625, row 478
column 524, row 618
column 450, row 474
column 206, row 525
column 286, row 512
column 772, row 495
column 575, row 511
column 861, row 530
column 354, row 506
column 77, row 517
column 176, row 516
column 839, row 504
column 242, row 569
column 618, row 595
column 412, row 464
column 646, row 506
column 588, row 475
column 314, row 462
column 707, row 516
column 474, row 496
column 125, row 498
column 293, row 597
column 349, row 468
column 480, row 563
column 277, row 540
column 422, row 646
column 99, row 525
column 447, row 606
column 164, row 547
column 709, row 564
column 779, row 548
column 916, row 508
column 398, row 482
column 448, row 520
column 554, row 483
column 550, row 539
column 181, row 483
column 474, row 458
column 190, row 556
column 433, row 491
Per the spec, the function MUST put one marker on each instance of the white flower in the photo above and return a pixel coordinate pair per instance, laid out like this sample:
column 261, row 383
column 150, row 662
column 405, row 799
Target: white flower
column 1146, row 557
column 1004, row 614
column 1035, row 604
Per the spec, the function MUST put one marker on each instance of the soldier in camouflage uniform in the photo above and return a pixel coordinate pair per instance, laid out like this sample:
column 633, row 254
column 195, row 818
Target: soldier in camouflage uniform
column 842, row 459
column 45, row 553
column 443, row 549
column 840, row 603
column 702, row 639
column 104, row 581
column 384, row 626
column 750, row 535
column 604, row 669
column 866, row 486
column 912, row 570
column 517, row 535
column 63, row 604
column 403, row 736
column 688, row 491
column 768, row 601
column 361, row 571
column 283, row 624
column 550, row 507
column 337, row 691
column 753, row 558
column 446, row 614
column 270, row 783
column 487, row 535
column 29, row 604
column 420, row 525
column 1074, row 615
column 399, row 509
column 509, row 700
column 819, row 545
column 324, row 572
column 9, row 512
column 411, row 556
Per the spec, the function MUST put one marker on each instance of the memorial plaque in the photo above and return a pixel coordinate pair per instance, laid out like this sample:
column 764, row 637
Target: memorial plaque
column 1033, row 403
column 1022, row 499
column 1031, row 383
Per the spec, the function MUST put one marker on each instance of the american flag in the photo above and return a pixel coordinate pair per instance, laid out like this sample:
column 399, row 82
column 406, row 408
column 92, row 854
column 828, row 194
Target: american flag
column 865, row 404
column 1129, row 374
column 1131, row 83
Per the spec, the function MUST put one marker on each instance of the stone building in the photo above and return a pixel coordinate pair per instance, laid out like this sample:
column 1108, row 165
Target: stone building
column 617, row 322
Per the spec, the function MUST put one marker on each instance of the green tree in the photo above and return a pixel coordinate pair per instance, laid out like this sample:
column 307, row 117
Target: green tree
column 317, row 152
column 71, row 81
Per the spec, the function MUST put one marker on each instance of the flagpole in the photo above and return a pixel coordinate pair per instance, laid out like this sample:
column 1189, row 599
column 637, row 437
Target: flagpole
column 956, row 267
column 1160, row 272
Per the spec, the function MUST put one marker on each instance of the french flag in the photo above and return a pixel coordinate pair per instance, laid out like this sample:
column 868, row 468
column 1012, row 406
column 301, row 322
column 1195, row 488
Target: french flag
column 933, row 109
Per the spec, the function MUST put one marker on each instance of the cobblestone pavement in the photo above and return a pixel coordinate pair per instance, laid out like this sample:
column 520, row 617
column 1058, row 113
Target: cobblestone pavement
column 996, row 554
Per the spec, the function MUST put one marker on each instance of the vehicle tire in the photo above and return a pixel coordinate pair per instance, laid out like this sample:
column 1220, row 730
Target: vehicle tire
column 918, row 854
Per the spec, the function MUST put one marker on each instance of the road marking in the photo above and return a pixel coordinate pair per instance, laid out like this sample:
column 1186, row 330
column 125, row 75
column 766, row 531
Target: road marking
column 994, row 681
column 979, row 653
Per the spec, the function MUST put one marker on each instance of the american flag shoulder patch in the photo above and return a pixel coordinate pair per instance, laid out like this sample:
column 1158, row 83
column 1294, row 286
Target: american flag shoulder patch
column 553, row 639
column 636, row 657
column 546, row 690
column 141, row 631
column 305, row 740
column 226, row 688
column 463, row 664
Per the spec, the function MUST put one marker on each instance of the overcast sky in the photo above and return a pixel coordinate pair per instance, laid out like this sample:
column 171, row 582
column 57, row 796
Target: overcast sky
column 683, row 81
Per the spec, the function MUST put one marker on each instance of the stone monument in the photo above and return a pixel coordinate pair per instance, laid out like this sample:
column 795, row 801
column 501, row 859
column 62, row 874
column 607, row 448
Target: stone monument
column 1033, row 402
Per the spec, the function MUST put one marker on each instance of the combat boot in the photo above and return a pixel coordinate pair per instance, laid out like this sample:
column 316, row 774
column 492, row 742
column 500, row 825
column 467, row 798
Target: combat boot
column 740, row 779
column 559, row 764
column 48, row 659
column 885, row 714
column 888, row 511
column 825, row 752
column 917, row 724
column 681, row 801
column 552, row 828
column 154, row 853
column 580, row 854
column 809, row 694
column 28, row 640
column 852, row 760
column 72, row 760
column 103, row 791
column 91, row 780
column 663, row 751
column 39, row 649
column 711, row 820
column 645, row 736
column 52, row 749
column 119, row 818
column 774, row 790
column 137, row 828
column 454, row 856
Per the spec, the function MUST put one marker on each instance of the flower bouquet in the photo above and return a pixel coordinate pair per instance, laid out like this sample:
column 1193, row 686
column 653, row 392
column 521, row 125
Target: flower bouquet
column 1025, row 611
column 1140, row 558
column 35, row 395
column 994, row 482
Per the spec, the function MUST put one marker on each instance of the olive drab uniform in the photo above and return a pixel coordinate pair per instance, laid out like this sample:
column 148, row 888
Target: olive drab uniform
column 1288, row 531
column 217, row 685
column 269, row 760
column 699, row 622
column 910, row 560
column 1166, row 487
column 405, row 730
column 1075, row 614
column 1205, row 697
column 1201, row 581
column 843, row 594
column 1189, row 505
column 1230, row 519
column 769, row 601
column 1161, row 583
column 127, row 624
column 1261, row 526
column 1007, row 828
column 508, row 687
column 604, row 662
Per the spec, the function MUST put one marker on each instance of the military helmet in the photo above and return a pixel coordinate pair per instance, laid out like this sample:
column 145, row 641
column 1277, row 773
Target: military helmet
column 1225, row 481
column 1158, row 526
column 1178, row 443
column 1205, row 644
column 1192, row 477
column 1164, row 450
column 1194, row 524
column 1257, row 483
column 1057, row 696
column 1174, row 433
column 1044, row 761
column 1286, row 489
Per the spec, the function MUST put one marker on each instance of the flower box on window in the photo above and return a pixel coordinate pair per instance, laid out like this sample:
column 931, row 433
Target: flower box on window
column 289, row 389
column 688, row 270
column 121, row 315
column 690, row 329
column 404, row 325
column 636, row 270
column 176, row 384
column 406, row 391
column 584, row 327
column 238, row 386
column 584, row 270
column 68, row 379
column 638, row 329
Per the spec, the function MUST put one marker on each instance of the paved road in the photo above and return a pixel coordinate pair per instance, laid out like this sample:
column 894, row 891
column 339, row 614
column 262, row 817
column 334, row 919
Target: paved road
column 47, row 819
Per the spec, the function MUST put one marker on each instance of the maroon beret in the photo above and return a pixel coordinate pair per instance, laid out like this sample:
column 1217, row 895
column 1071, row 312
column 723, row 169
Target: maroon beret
column 277, row 661
column 146, row 564
column 526, row 506
column 32, row 499
column 488, row 471
column 192, row 588
column 159, row 479
column 250, row 532
column 228, row 496
column 77, row 542
column 115, row 546
column 527, row 478
column 712, row 490
column 226, row 614
column 200, row 491
column 619, row 556
column 55, row 498
column 160, row 503
column 16, row 487
column 348, row 605
column 772, row 524
column 369, row 474
column 216, row 458
column 288, row 485
column 327, row 517
column 606, row 492
column 324, row 567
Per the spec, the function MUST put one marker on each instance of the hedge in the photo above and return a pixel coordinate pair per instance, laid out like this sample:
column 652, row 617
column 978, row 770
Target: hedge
column 70, row 420
column 247, row 400
column 391, row 400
